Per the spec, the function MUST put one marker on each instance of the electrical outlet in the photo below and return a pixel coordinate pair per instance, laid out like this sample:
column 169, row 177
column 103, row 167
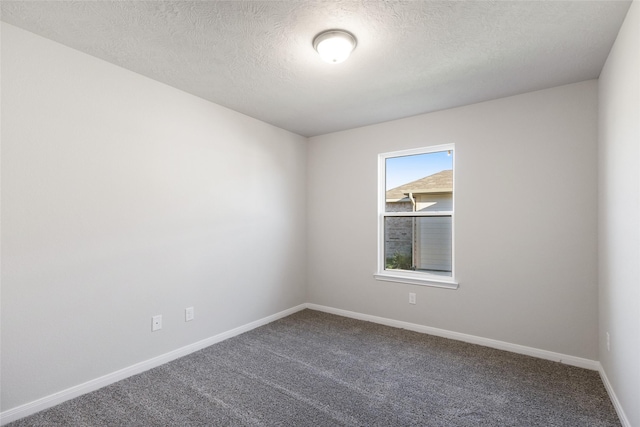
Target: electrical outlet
column 608, row 342
column 189, row 314
column 412, row 298
column 156, row 323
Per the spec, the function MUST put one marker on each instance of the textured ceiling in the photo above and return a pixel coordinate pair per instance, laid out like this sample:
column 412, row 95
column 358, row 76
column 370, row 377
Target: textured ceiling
column 412, row 57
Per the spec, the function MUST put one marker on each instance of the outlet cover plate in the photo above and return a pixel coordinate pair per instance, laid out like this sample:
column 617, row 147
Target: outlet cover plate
column 156, row 323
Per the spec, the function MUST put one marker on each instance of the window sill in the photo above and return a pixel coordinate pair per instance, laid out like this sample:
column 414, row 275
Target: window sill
column 418, row 279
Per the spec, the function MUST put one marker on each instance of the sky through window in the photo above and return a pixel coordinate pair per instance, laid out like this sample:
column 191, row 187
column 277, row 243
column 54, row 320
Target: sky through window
column 404, row 169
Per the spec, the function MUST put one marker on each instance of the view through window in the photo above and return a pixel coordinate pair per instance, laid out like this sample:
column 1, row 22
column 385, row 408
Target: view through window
column 417, row 213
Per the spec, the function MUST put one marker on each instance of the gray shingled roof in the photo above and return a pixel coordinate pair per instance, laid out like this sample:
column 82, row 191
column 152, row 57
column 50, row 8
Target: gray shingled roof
column 441, row 182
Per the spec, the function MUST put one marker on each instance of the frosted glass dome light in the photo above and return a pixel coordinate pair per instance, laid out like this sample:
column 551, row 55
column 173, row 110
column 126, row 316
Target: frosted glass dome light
column 334, row 46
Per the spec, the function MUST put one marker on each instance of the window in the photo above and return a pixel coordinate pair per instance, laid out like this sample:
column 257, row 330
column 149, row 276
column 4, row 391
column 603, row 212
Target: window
column 416, row 216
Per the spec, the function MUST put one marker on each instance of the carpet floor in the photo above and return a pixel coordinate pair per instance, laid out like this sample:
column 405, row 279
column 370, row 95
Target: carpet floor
column 318, row 369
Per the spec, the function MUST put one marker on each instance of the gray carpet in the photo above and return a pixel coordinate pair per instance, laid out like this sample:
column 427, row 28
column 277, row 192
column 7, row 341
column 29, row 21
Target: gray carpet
column 317, row 369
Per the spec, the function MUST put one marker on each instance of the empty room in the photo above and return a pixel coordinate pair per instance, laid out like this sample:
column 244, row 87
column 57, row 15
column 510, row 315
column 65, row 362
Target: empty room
column 319, row 213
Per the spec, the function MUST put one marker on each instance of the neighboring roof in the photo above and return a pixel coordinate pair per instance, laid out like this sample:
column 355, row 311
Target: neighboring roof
column 441, row 182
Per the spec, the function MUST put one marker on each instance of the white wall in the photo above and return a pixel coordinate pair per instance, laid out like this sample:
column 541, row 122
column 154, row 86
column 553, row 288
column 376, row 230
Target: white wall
column 619, row 215
column 526, row 221
column 123, row 198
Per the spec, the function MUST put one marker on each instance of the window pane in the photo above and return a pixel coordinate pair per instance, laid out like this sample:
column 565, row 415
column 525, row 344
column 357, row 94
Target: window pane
column 398, row 243
column 419, row 182
column 418, row 244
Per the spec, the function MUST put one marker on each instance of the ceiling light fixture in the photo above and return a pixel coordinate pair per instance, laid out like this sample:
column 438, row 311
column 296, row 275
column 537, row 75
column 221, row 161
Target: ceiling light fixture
column 334, row 46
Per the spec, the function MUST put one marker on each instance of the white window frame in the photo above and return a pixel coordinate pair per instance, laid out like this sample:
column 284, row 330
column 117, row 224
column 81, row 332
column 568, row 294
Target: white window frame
column 405, row 276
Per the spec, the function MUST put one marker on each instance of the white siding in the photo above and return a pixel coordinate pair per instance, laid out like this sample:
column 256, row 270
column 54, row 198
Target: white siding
column 433, row 234
column 434, row 202
column 433, row 249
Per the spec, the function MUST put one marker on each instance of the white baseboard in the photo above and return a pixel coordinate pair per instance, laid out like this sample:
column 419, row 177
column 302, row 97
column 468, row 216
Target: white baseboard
column 614, row 399
column 46, row 402
column 487, row 342
column 501, row 345
column 95, row 384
